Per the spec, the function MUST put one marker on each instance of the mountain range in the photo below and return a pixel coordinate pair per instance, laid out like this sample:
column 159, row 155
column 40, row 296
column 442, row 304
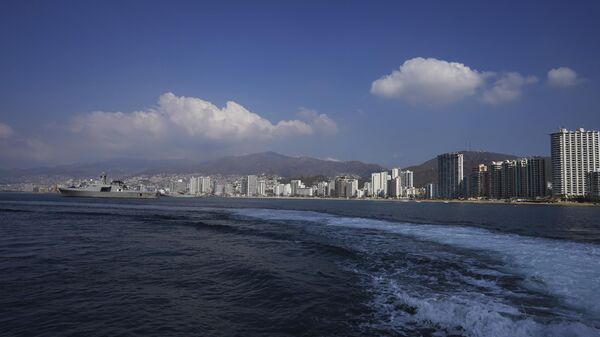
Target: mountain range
column 270, row 163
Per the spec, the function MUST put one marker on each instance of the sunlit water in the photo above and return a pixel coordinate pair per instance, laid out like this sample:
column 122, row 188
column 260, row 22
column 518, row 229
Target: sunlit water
column 225, row 267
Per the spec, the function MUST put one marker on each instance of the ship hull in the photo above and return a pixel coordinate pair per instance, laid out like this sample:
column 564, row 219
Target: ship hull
column 98, row 194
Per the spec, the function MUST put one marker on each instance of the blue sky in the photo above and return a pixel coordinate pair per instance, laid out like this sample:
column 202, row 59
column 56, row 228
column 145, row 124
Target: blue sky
column 87, row 81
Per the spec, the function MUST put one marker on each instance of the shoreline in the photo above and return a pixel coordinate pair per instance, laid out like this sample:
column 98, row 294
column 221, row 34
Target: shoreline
column 443, row 201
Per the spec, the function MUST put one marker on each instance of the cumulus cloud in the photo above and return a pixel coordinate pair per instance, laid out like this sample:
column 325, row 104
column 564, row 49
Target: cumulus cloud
column 203, row 119
column 5, row 131
column 562, row 77
column 320, row 122
column 429, row 81
column 507, row 88
column 195, row 117
column 436, row 82
column 176, row 127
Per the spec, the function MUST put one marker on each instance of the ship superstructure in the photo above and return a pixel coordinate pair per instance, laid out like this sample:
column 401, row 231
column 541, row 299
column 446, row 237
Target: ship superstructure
column 103, row 189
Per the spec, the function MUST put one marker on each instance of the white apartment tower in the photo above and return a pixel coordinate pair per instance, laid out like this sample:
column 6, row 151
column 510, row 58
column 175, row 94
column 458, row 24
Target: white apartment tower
column 379, row 184
column 574, row 155
column 194, row 186
column 261, row 188
column 205, row 186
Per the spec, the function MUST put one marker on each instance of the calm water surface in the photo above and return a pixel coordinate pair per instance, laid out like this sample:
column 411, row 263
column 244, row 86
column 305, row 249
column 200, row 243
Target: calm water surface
column 250, row 267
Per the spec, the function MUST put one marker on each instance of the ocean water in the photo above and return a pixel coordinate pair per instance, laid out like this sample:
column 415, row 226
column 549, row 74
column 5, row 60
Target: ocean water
column 257, row 267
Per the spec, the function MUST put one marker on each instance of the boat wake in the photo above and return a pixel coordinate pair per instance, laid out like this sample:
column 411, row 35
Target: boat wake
column 452, row 280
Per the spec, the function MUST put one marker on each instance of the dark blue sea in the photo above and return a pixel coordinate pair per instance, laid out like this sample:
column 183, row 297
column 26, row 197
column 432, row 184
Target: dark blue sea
column 258, row 267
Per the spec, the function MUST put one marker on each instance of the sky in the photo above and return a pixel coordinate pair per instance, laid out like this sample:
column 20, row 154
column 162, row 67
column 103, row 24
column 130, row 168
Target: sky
column 387, row 82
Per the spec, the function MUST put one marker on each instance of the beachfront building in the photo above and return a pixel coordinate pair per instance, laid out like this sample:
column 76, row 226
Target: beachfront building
column 593, row 184
column 379, row 184
column 261, row 188
column 345, row 187
column 407, row 179
column 296, row 185
column 479, row 182
column 520, row 178
column 395, row 187
column 431, row 191
column 574, row 154
column 304, row 192
column 322, row 187
column 536, row 178
column 450, row 175
column 250, row 186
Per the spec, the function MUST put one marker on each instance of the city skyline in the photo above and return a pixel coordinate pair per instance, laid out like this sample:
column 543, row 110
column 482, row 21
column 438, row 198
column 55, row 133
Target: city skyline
column 372, row 82
column 574, row 173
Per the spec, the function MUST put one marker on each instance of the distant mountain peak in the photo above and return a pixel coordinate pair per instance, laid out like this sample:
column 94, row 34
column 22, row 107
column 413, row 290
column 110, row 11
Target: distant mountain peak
column 274, row 163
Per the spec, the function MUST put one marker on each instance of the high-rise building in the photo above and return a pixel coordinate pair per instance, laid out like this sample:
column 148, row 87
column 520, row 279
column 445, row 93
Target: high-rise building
column 250, row 185
column 379, row 184
column 287, row 190
column 228, row 189
column 205, row 186
column 340, row 187
column 200, row 185
column 304, row 191
column 278, row 190
column 296, row 184
column 479, row 183
column 331, row 188
column 346, row 187
column 574, row 154
column 495, row 188
column 450, row 175
column 261, row 189
column 521, row 178
column 508, row 179
column 351, row 188
column 593, row 184
column 219, row 189
column 194, row 186
column 407, row 177
column 322, row 188
column 395, row 187
column 536, row 177
column 367, row 188
column 395, row 173
column 431, row 191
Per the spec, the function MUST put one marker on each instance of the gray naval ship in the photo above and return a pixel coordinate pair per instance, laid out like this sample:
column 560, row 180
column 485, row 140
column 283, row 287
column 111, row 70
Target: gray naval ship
column 102, row 189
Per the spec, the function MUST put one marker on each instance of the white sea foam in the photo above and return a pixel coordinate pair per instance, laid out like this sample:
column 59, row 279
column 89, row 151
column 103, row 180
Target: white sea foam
column 568, row 271
column 466, row 314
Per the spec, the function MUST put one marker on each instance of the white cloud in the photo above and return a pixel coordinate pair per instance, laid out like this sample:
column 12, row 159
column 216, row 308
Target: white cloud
column 507, row 88
column 429, row 81
column 176, row 127
column 562, row 77
column 320, row 122
column 436, row 82
column 194, row 117
column 5, row 131
column 201, row 118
